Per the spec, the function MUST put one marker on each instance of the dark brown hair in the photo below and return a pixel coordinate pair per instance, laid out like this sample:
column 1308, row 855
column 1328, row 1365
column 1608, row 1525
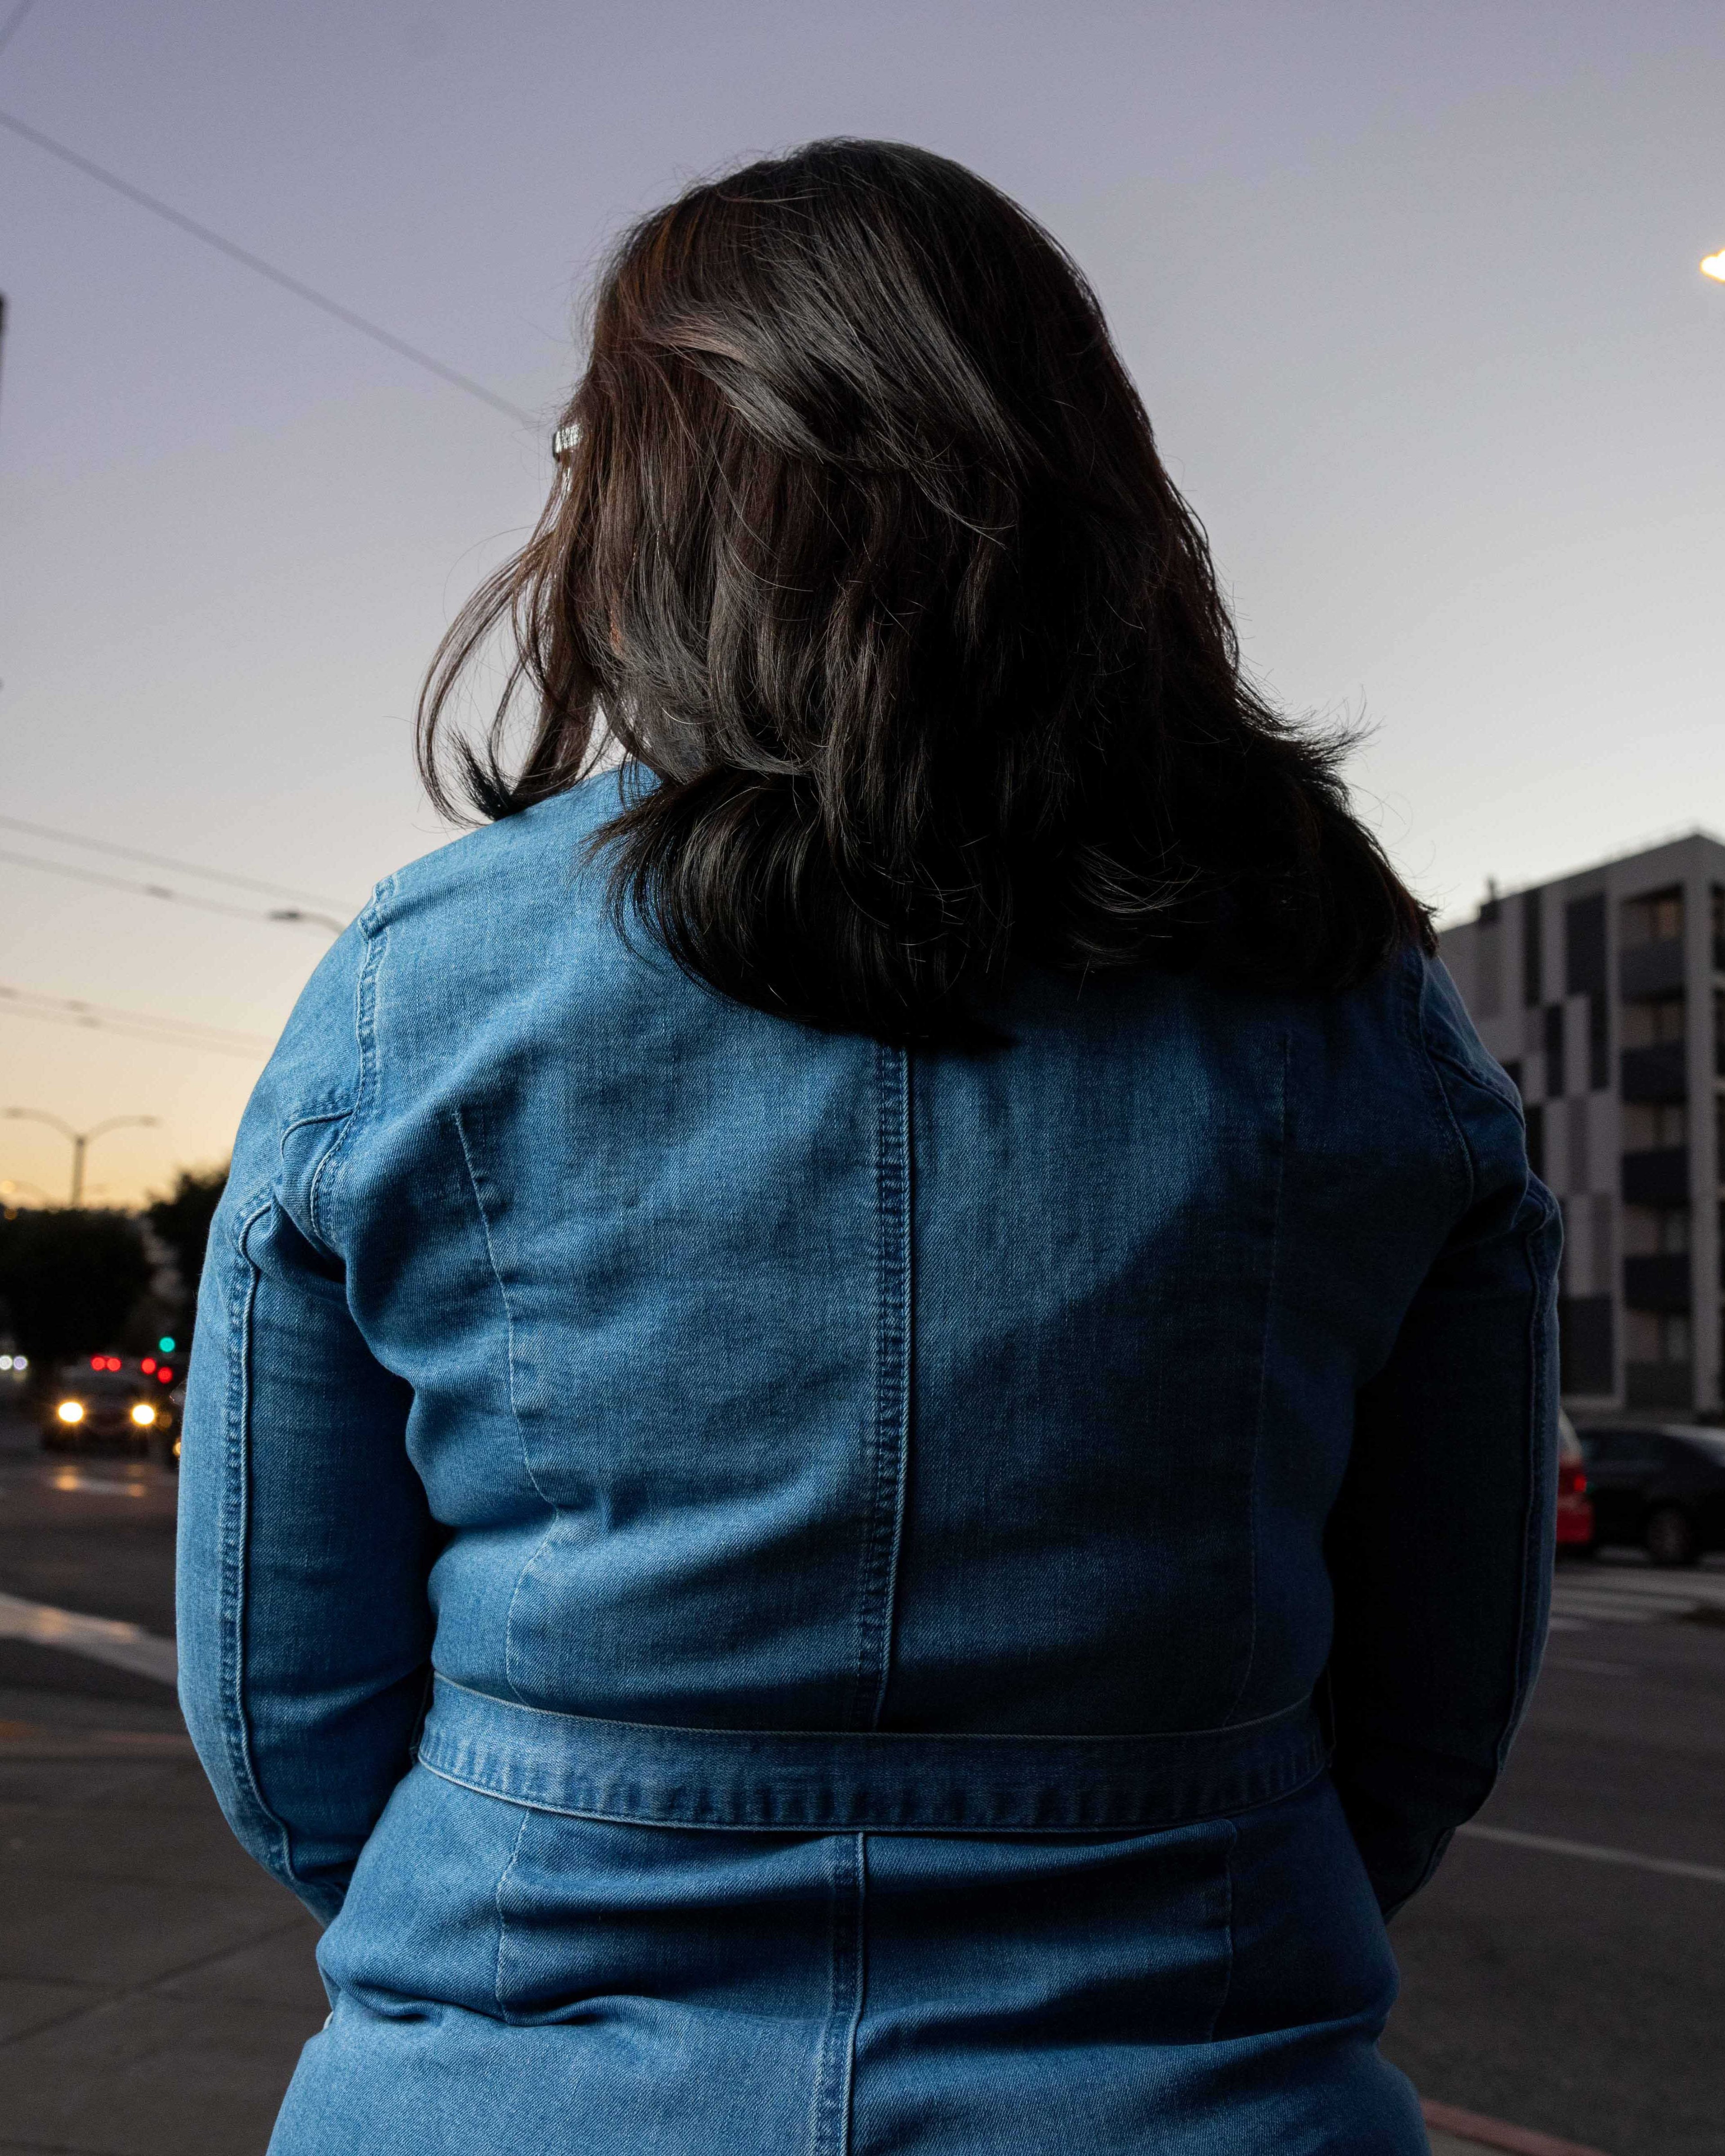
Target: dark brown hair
column 865, row 555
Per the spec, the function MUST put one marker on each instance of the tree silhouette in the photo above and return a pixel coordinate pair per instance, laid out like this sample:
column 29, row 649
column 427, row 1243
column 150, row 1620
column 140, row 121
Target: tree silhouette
column 70, row 1280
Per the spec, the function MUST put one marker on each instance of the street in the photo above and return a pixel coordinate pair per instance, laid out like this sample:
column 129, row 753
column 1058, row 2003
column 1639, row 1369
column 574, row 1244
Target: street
column 155, row 1986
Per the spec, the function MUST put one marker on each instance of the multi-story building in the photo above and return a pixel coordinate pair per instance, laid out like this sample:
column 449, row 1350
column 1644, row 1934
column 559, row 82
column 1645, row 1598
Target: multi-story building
column 1603, row 995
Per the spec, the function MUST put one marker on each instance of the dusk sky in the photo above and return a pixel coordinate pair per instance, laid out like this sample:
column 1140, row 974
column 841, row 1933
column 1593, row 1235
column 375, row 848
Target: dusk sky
column 1412, row 295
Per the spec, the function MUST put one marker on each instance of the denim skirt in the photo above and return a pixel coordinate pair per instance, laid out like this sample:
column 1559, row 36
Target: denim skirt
column 506, row 1977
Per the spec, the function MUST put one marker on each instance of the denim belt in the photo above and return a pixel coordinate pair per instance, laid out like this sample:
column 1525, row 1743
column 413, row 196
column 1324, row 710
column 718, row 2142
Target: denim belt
column 792, row 1781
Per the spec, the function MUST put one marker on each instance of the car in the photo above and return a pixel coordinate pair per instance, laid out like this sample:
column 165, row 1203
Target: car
column 113, row 1402
column 1656, row 1486
column 1575, row 1512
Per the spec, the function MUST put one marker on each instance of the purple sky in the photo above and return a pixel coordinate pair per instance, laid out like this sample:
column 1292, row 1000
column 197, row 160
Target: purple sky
column 1411, row 292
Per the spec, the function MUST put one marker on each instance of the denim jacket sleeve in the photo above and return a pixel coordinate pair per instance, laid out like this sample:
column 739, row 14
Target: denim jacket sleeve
column 1441, row 1546
column 305, row 1538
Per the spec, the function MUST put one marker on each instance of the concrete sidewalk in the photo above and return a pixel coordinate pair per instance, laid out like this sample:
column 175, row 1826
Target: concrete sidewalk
column 155, row 1986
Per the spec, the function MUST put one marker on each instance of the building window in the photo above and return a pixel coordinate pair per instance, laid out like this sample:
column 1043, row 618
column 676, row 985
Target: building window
column 1532, row 949
column 1580, row 1164
column 1552, row 1041
column 1584, row 975
column 1657, row 1335
column 1652, row 1126
column 1657, row 918
column 1653, row 1020
column 1487, row 968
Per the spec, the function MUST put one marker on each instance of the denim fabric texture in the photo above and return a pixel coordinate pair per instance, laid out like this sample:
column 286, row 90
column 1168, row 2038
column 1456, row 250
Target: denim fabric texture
column 961, row 1586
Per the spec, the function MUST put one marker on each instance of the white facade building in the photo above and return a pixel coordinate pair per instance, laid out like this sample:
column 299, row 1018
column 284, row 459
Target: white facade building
column 1603, row 995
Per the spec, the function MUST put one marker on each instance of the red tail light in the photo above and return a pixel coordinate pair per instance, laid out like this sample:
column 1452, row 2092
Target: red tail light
column 1572, row 1479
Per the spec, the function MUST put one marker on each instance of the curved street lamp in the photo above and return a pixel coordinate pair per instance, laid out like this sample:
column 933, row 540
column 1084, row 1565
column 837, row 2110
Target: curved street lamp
column 81, row 1140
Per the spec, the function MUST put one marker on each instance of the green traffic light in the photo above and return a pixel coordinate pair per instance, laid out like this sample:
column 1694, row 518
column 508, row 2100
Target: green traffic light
column 165, row 1345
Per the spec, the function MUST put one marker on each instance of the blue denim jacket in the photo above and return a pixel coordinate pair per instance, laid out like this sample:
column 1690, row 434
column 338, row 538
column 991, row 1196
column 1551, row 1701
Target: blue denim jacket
column 639, row 1361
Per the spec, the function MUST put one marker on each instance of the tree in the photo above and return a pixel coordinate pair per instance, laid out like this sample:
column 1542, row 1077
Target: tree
column 182, row 1221
column 70, row 1280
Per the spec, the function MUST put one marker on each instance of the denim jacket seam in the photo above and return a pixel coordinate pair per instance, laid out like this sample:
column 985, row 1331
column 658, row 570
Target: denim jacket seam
column 374, row 927
column 1275, row 1228
column 1227, row 1857
column 1527, row 1648
column 235, row 1582
column 503, row 1877
column 514, row 1412
column 1436, row 1063
column 889, row 1420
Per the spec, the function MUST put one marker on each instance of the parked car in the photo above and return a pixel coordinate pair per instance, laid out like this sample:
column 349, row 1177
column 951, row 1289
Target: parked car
column 113, row 1403
column 1659, row 1487
column 1575, row 1512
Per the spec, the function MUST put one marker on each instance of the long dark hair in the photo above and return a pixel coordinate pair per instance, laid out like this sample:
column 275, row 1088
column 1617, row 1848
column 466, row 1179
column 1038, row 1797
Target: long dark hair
column 864, row 551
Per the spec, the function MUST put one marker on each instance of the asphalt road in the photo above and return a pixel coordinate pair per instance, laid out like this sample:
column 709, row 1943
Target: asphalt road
column 154, row 1987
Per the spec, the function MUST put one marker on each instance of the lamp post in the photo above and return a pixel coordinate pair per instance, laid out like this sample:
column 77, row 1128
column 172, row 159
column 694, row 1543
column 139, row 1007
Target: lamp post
column 81, row 1140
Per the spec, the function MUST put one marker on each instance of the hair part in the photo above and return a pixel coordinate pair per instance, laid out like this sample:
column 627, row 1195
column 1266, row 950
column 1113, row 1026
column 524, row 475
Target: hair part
column 864, row 555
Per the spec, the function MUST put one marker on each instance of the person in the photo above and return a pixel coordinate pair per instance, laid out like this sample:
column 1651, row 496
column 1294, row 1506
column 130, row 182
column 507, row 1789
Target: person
column 870, row 1459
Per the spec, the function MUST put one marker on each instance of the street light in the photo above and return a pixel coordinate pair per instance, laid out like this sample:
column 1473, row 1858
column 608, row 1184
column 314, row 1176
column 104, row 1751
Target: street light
column 81, row 1140
column 1713, row 266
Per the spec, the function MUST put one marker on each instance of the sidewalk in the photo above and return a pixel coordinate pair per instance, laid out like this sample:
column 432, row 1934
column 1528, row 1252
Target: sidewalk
column 156, row 1987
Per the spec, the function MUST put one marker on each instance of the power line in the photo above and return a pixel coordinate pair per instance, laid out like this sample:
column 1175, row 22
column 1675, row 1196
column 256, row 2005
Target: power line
column 12, row 21
column 139, row 1025
column 163, row 861
column 235, row 253
column 155, row 891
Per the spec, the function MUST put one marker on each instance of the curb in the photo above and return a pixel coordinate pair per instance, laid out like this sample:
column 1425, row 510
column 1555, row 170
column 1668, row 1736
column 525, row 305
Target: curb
column 1492, row 2134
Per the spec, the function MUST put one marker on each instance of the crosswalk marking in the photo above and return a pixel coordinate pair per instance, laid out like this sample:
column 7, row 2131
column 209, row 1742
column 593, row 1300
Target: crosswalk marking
column 1632, row 1594
column 101, row 1638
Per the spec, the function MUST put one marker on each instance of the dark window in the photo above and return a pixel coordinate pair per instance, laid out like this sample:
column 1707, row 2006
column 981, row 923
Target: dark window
column 1555, row 1087
column 1585, row 1339
column 1584, row 975
column 1532, row 948
column 1512, row 1071
column 1584, row 946
column 1536, row 1138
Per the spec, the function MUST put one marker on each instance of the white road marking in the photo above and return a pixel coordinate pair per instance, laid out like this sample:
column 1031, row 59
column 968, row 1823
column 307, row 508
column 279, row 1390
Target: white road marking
column 1632, row 1595
column 1596, row 1853
column 1605, row 1608
column 100, row 1639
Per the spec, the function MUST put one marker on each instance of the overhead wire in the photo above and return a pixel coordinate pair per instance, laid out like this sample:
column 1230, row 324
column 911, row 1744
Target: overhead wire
column 163, row 861
column 161, row 891
column 235, row 253
column 138, row 1025
column 12, row 21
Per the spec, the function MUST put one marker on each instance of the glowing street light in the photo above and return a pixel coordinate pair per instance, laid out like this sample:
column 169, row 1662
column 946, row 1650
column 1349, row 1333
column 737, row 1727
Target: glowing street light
column 1713, row 266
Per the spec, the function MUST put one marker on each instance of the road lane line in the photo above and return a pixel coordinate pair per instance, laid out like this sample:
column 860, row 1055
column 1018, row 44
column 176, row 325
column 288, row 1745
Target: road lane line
column 1554, row 1846
column 98, row 1639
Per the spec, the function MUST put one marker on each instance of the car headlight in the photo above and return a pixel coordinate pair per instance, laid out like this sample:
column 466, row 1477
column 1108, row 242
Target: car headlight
column 144, row 1415
column 70, row 1410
